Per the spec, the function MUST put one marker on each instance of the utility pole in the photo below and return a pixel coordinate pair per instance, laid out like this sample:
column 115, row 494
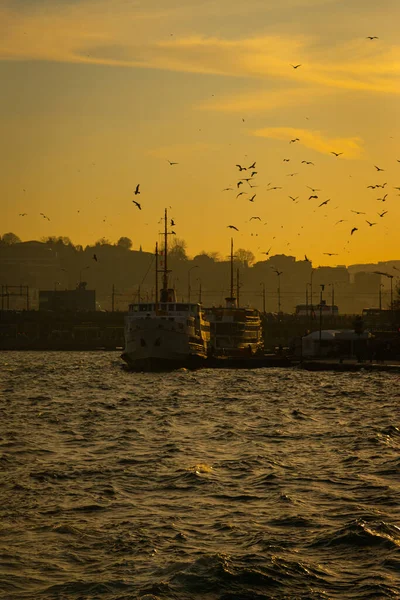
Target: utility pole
column 320, row 317
column 237, row 287
column 112, row 298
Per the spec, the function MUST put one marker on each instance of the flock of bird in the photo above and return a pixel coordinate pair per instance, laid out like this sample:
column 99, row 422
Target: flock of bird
column 245, row 185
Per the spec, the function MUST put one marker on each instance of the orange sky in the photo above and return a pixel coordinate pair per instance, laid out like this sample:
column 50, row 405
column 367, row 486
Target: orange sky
column 99, row 96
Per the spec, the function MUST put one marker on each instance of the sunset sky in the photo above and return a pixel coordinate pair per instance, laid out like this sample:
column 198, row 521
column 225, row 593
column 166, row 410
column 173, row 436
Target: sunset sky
column 98, row 95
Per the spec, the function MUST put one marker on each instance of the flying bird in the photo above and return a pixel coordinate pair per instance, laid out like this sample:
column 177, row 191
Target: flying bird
column 239, row 183
column 273, row 188
column 291, row 174
column 267, row 252
column 23, row 214
column 307, row 162
column 337, row 153
column 357, row 212
column 372, row 37
column 323, row 203
column 172, row 223
column 277, row 272
column 294, row 140
column 173, row 163
column 311, row 197
column 137, row 204
column 295, row 66
column 382, row 214
column 294, row 199
column 353, row 230
column 383, row 199
column 286, row 159
column 371, row 186
column 227, row 189
column 253, row 166
column 330, row 253
column 259, row 218
column 313, row 189
column 94, row 257
column 306, row 259
column 173, row 232
column 253, row 173
column 241, row 168
column 232, row 227
column 341, row 221
column 136, row 192
column 370, row 224
column 378, row 168
column 240, row 194
column 252, row 198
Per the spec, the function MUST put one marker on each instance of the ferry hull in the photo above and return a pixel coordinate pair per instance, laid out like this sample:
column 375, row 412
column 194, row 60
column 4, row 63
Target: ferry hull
column 158, row 345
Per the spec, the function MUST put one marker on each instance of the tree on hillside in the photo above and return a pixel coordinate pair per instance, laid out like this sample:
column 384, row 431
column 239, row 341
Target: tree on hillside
column 215, row 256
column 245, row 257
column 103, row 242
column 52, row 240
column 8, row 239
column 178, row 249
column 124, row 242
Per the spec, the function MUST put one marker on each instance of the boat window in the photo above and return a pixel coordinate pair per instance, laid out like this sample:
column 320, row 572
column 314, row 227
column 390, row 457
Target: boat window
column 182, row 307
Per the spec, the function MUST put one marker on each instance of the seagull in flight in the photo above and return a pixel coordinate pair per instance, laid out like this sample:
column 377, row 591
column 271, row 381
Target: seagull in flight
column 291, row 174
column 273, row 188
column 227, row 189
column 382, row 214
column 341, row 221
column 137, row 204
column 240, row 194
column 370, row 224
column 372, row 37
column 357, row 212
column 311, row 197
column 313, row 189
column 253, row 166
column 252, row 198
column 258, row 218
column 232, row 227
column 286, row 159
column 23, row 214
column 353, row 230
column 294, row 140
column 372, row 187
column 241, row 168
column 323, row 203
column 267, row 252
column 294, row 199
column 172, row 223
column 378, row 168
column 295, row 66
column 330, row 253
column 383, row 199
column 337, row 153
column 136, row 192
column 172, row 163
column 239, row 183
column 307, row 162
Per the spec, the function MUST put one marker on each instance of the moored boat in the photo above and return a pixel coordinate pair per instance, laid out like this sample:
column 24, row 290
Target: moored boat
column 165, row 334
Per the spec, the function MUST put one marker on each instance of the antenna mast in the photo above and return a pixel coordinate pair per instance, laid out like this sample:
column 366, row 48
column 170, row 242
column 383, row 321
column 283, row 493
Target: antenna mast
column 156, row 302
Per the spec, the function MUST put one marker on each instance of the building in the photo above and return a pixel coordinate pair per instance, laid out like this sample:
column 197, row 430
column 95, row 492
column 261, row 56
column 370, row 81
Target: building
column 79, row 299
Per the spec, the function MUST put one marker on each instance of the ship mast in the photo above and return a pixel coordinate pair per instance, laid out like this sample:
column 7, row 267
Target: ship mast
column 156, row 303
column 165, row 276
column 232, row 296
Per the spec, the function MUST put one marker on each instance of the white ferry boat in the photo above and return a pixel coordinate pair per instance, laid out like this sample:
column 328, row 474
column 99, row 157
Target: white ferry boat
column 165, row 334
column 235, row 332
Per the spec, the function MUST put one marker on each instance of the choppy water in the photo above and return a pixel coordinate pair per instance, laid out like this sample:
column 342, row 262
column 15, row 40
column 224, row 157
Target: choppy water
column 222, row 485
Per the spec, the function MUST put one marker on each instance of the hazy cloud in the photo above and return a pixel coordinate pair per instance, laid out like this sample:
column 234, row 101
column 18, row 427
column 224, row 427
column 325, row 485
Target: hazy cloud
column 350, row 147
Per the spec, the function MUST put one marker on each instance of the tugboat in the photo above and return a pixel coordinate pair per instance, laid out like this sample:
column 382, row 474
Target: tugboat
column 235, row 332
column 165, row 334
